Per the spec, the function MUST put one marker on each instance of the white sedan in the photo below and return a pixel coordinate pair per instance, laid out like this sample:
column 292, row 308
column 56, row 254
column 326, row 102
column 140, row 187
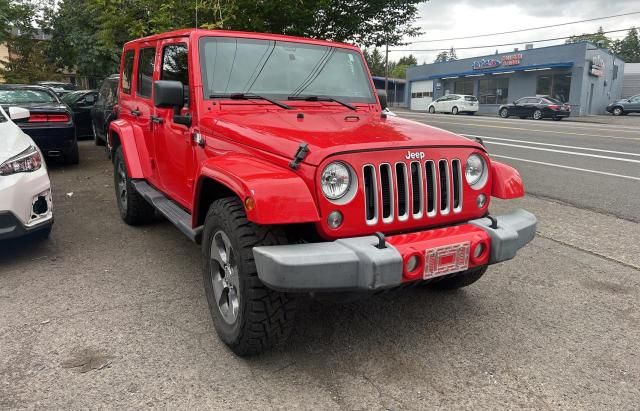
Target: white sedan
column 454, row 104
column 25, row 189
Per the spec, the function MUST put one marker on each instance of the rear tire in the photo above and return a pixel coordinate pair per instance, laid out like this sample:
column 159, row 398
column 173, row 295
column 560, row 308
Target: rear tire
column 454, row 111
column 73, row 157
column 504, row 113
column 459, row 281
column 432, row 110
column 248, row 317
column 134, row 209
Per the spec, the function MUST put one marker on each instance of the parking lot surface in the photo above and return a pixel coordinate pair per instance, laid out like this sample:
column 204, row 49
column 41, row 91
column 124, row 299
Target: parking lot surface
column 103, row 315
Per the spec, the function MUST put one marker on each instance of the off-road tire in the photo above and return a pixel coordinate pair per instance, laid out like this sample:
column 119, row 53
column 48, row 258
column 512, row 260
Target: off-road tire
column 265, row 317
column 459, row 281
column 135, row 210
column 73, row 157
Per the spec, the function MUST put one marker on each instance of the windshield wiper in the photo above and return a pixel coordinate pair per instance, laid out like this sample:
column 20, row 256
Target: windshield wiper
column 322, row 98
column 250, row 96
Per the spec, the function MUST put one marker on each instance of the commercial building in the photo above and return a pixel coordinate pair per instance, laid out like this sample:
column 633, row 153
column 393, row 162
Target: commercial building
column 581, row 74
column 631, row 80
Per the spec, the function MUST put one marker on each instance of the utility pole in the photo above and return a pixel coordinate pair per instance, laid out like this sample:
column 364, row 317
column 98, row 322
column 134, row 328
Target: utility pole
column 386, row 68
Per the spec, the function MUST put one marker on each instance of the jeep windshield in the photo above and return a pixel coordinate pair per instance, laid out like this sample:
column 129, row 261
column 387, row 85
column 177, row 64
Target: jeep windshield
column 282, row 70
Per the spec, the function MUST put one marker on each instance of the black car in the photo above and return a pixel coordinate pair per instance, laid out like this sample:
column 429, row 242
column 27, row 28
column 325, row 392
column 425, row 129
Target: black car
column 103, row 112
column 81, row 102
column 58, row 87
column 625, row 106
column 537, row 108
column 51, row 122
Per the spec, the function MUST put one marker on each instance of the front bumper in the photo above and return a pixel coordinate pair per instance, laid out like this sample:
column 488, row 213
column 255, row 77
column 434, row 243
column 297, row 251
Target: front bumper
column 12, row 227
column 358, row 264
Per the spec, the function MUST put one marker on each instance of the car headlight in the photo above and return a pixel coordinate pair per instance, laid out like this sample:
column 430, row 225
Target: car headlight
column 27, row 161
column 335, row 180
column 475, row 170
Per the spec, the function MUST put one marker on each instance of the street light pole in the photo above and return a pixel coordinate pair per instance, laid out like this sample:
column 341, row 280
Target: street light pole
column 386, row 69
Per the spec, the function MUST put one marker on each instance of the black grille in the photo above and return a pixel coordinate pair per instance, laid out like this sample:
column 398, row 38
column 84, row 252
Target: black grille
column 430, row 168
column 416, row 182
column 401, row 183
column 385, row 183
column 444, row 185
column 370, row 193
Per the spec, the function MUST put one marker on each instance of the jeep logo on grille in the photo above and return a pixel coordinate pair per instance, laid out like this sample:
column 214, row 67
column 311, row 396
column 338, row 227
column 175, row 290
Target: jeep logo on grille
column 414, row 155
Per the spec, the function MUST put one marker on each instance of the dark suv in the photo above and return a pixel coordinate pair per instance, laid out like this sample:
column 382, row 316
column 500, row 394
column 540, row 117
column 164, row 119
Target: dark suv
column 103, row 112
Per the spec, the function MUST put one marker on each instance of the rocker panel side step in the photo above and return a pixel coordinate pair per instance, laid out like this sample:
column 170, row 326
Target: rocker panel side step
column 169, row 209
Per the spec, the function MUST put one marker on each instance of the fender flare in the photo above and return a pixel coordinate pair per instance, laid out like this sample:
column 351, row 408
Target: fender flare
column 280, row 195
column 134, row 149
column 506, row 182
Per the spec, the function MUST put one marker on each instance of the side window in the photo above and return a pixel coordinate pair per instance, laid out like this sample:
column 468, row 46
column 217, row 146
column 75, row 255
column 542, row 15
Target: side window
column 146, row 62
column 175, row 66
column 127, row 72
column 112, row 94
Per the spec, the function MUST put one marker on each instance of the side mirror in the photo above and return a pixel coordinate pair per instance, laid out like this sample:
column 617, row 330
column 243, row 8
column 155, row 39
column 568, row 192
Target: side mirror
column 170, row 94
column 382, row 96
column 18, row 113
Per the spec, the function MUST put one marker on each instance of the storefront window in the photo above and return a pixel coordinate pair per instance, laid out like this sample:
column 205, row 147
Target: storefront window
column 494, row 91
column 557, row 86
column 463, row 87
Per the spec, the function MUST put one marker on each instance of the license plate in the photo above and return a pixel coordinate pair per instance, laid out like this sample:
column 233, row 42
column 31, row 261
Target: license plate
column 446, row 260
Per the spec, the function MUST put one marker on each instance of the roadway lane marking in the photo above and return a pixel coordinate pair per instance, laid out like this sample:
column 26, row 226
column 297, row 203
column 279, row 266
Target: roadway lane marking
column 552, row 145
column 538, row 131
column 594, row 126
column 627, row 160
column 567, row 167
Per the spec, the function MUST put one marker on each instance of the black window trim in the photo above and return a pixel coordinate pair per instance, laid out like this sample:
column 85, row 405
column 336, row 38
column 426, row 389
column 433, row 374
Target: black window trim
column 137, row 71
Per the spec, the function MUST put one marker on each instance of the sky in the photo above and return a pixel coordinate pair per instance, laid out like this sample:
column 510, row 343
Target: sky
column 443, row 19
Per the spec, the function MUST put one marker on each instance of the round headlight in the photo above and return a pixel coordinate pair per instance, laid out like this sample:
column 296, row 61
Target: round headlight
column 335, row 180
column 474, row 169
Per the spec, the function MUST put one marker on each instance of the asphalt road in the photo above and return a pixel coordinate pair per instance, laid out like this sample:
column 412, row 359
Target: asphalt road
column 103, row 315
column 591, row 166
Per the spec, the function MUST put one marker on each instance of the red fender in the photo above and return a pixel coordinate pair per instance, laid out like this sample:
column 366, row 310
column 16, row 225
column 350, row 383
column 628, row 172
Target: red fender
column 134, row 148
column 280, row 195
column 506, row 181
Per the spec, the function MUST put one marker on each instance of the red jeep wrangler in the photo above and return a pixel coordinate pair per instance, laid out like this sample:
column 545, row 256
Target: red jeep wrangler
column 274, row 153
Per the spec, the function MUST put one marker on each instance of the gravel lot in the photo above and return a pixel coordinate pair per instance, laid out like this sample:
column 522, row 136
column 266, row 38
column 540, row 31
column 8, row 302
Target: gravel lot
column 103, row 315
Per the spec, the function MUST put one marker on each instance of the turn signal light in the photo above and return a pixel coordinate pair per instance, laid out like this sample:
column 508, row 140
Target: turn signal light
column 249, row 203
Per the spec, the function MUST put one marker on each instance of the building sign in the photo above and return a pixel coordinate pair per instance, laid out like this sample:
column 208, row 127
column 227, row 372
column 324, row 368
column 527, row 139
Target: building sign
column 597, row 66
column 507, row 61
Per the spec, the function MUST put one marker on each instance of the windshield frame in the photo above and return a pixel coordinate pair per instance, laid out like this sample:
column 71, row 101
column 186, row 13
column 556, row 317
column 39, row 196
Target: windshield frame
column 284, row 96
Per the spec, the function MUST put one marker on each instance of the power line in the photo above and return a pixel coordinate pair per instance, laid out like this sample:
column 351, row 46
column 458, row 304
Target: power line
column 529, row 29
column 513, row 44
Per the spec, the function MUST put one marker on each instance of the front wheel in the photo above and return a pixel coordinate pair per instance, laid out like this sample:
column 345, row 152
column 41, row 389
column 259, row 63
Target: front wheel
column 618, row 111
column 537, row 115
column 249, row 317
column 432, row 110
column 454, row 111
column 459, row 281
column 504, row 113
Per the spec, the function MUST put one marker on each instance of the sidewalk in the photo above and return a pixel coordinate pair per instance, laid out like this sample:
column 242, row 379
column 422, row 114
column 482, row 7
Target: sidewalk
column 631, row 120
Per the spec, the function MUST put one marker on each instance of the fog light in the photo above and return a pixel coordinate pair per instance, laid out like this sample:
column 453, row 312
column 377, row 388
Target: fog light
column 335, row 219
column 412, row 263
column 481, row 200
column 479, row 250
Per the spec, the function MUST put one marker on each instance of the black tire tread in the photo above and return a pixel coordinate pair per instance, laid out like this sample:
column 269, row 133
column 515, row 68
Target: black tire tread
column 138, row 211
column 269, row 315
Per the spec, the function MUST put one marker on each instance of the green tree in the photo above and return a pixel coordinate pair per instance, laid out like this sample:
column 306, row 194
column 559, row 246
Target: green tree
column 442, row 57
column 375, row 61
column 597, row 38
column 628, row 49
column 452, row 54
column 399, row 69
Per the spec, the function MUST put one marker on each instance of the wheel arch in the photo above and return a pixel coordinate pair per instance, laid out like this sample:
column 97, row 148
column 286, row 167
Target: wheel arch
column 123, row 134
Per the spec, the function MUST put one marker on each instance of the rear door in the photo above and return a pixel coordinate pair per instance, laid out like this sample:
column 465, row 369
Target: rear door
column 174, row 146
column 143, row 108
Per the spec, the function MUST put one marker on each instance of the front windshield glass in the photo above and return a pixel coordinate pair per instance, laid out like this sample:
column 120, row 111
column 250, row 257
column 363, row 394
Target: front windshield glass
column 24, row 96
column 280, row 69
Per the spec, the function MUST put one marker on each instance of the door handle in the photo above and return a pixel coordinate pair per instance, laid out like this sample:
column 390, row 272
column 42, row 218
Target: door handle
column 156, row 120
column 135, row 113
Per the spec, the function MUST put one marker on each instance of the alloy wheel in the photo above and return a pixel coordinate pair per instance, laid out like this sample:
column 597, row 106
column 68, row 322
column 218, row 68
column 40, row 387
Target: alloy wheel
column 224, row 277
column 537, row 115
column 121, row 176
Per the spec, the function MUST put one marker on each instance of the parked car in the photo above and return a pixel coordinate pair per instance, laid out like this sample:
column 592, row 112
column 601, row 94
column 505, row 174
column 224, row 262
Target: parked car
column 58, row 87
column 284, row 168
column 454, row 104
column 81, row 102
column 51, row 122
column 536, row 108
column 625, row 106
column 25, row 189
column 103, row 112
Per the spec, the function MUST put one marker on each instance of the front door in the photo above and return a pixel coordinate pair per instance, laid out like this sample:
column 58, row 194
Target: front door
column 174, row 147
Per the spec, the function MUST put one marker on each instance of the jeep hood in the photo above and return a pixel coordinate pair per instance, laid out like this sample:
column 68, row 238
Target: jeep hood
column 326, row 133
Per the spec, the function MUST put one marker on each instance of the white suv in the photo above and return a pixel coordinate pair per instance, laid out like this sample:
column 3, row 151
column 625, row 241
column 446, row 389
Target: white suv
column 454, row 104
column 25, row 189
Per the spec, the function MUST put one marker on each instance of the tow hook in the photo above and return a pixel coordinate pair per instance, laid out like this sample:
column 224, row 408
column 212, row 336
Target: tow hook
column 382, row 244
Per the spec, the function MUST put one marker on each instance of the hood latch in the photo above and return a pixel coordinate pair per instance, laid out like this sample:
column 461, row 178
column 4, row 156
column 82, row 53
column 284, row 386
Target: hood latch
column 300, row 155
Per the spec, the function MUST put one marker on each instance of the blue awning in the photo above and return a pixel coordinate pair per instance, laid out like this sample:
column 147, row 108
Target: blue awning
column 479, row 73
